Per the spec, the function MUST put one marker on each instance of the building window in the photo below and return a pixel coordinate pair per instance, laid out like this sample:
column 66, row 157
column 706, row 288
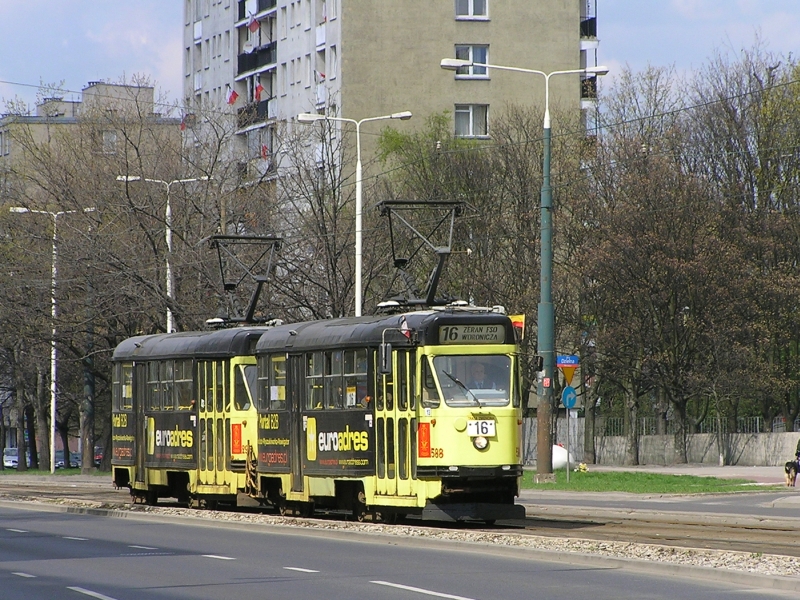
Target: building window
column 476, row 54
column 472, row 9
column 472, row 120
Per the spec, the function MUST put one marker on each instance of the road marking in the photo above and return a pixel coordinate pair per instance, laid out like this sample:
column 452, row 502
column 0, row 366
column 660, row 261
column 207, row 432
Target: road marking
column 69, row 537
column 143, row 547
column 17, row 530
column 421, row 590
column 300, row 569
column 23, row 575
column 218, row 557
column 90, row 593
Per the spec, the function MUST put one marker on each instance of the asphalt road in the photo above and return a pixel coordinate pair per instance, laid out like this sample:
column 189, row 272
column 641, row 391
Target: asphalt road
column 46, row 554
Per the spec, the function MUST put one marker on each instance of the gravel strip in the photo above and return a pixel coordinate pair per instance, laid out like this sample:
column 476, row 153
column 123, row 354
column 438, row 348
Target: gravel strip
column 755, row 563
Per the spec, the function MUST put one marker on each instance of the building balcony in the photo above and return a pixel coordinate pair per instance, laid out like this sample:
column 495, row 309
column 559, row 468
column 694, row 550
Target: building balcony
column 255, row 112
column 589, row 27
column 589, row 88
column 260, row 6
column 261, row 57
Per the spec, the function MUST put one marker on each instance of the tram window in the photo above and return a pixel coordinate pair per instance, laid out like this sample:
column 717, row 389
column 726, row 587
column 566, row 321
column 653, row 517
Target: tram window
column 430, row 393
column 333, row 379
column 381, row 447
column 220, row 445
column 277, row 391
column 227, row 454
column 167, row 372
column 123, row 387
column 355, row 375
column 183, row 384
column 219, row 388
column 241, row 396
column 153, row 396
column 390, row 464
column 378, row 383
column 314, row 381
column 402, row 448
column 412, row 377
column 206, row 371
column 402, row 369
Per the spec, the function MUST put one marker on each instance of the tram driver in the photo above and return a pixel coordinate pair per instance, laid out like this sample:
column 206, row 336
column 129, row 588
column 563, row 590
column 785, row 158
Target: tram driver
column 478, row 379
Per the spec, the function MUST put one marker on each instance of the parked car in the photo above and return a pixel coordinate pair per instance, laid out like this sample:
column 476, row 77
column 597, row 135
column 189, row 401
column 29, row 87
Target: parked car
column 10, row 458
column 59, row 462
column 75, row 460
column 98, row 455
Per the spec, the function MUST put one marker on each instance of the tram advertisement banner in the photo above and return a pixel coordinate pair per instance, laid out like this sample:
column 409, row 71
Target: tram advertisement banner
column 123, row 439
column 171, row 438
column 274, row 431
column 339, row 442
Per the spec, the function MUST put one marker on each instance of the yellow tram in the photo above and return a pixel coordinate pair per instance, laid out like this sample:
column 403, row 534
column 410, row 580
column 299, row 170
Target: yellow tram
column 386, row 415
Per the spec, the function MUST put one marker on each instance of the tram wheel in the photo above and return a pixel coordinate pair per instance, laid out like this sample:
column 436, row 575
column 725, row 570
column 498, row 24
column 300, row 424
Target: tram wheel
column 282, row 508
column 306, row 509
column 151, row 497
column 360, row 507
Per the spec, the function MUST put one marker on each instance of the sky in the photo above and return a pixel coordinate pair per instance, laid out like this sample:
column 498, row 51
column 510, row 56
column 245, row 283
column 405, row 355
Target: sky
column 78, row 41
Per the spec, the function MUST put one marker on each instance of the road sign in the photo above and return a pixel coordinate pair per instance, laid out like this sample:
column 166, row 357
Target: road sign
column 567, row 361
column 569, row 397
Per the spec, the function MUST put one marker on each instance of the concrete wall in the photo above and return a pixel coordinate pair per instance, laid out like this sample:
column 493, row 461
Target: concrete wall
column 744, row 449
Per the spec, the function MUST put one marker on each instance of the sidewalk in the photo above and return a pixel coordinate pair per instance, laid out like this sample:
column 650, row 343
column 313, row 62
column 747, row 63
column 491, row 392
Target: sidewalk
column 771, row 475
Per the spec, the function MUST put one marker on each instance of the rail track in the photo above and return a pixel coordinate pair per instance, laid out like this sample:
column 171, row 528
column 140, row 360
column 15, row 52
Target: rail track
column 684, row 530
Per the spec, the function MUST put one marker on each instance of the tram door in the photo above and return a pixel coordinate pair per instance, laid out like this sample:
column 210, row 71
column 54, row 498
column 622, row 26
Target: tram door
column 212, row 428
column 296, row 385
column 395, row 425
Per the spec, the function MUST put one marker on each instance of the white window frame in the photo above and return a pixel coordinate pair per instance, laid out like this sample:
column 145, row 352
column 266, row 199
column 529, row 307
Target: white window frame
column 470, row 14
column 471, row 111
column 468, row 52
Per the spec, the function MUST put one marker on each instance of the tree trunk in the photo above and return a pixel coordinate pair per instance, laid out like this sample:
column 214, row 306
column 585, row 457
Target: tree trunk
column 30, row 425
column 42, row 422
column 631, row 426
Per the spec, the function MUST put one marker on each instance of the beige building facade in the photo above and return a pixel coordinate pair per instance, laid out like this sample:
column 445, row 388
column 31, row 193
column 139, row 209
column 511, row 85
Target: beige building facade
column 364, row 58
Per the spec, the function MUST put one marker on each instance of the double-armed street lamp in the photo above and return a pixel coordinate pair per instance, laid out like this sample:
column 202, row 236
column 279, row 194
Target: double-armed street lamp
column 168, row 235
column 53, row 316
column 312, row 117
column 546, row 314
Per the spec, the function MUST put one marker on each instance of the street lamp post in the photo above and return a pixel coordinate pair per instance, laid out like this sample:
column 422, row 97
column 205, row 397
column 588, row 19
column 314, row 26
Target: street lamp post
column 53, row 315
column 167, row 235
column 546, row 314
column 310, row 118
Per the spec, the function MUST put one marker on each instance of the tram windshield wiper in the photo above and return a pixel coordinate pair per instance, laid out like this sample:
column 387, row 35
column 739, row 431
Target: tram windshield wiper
column 464, row 387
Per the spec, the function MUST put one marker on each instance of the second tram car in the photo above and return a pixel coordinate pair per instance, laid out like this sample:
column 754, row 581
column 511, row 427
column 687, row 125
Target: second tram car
column 415, row 413
column 184, row 416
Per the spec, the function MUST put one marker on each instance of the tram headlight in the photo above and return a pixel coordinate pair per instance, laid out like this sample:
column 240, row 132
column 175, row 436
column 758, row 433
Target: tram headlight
column 480, row 442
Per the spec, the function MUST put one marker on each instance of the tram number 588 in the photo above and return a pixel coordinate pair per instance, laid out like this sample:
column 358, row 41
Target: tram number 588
column 437, row 452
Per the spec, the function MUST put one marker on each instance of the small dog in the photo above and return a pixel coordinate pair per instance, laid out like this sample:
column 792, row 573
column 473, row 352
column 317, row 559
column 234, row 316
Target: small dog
column 790, row 471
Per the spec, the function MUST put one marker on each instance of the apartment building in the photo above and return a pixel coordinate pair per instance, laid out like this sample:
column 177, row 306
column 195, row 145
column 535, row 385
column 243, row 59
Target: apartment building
column 266, row 61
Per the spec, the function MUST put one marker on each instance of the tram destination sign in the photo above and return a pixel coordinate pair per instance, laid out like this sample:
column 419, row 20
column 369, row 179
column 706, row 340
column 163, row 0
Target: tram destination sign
column 472, row 334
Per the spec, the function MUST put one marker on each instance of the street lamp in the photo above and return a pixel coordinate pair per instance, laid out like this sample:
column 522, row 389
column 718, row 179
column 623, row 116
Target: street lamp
column 168, row 234
column 53, row 315
column 312, row 117
column 546, row 315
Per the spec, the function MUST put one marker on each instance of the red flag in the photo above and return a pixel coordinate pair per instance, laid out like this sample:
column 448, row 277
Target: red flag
column 253, row 25
column 183, row 123
column 259, row 90
column 404, row 327
column 264, row 151
column 232, row 95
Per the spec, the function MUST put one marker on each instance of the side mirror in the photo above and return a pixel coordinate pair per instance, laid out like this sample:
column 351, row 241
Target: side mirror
column 385, row 359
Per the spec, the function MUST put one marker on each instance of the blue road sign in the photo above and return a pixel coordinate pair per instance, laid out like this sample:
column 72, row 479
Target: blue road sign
column 569, row 360
column 569, row 397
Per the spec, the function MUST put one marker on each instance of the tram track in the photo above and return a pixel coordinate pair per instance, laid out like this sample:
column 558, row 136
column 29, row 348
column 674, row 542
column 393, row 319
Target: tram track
column 676, row 529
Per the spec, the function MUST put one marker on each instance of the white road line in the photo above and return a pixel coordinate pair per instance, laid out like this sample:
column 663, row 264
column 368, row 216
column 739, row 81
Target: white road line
column 17, row 530
column 69, row 537
column 90, row 593
column 23, row 574
column 143, row 547
column 218, row 557
column 300, row 569
column 421, row 590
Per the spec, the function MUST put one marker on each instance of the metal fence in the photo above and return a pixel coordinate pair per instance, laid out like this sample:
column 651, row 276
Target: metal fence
column 615, row 426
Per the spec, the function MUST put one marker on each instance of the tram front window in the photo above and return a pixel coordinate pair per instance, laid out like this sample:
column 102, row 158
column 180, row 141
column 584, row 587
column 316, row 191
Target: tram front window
column 474, row 380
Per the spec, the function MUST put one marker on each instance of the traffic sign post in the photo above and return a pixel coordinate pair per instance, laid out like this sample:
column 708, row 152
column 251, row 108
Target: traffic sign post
column 568, row 399
column 567, row 364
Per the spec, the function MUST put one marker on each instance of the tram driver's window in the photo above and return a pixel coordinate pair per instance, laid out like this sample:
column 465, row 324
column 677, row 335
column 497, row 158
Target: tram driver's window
column 126, row 382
